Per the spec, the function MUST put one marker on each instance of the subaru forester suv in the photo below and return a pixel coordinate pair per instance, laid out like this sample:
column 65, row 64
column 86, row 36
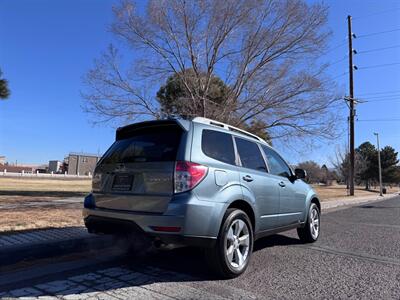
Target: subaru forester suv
column 201, row 183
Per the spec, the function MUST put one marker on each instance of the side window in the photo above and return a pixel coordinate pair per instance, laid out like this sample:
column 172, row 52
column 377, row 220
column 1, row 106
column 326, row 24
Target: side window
column 218, row 145
column 250, row 155
column 277, row 165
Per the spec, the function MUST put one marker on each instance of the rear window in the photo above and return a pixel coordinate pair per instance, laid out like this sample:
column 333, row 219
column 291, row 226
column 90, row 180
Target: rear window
column 218, row 145
column 145, row 145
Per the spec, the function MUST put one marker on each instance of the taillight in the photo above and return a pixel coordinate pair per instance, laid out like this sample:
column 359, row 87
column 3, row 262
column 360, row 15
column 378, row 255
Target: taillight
column 188, row 175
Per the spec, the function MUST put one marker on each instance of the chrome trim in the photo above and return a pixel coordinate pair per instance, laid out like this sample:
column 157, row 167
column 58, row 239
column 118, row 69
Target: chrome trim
column 281, row 215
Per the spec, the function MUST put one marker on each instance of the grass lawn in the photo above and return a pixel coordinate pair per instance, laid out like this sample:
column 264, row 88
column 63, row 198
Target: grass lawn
column 45, row 186
column 39, row 217
column 327, row 193
column 33, row 206
column 38, row 190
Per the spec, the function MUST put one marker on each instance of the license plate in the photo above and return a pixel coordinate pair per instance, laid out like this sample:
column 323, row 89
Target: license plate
column 122, row 182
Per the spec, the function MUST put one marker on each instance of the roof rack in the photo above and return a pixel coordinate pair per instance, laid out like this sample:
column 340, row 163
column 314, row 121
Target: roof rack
column 227, row 127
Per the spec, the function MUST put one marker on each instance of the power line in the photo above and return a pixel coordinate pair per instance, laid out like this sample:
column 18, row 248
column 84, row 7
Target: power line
column 383, row 97
column 379, row 120
column 377, row 33
column 382, row 100
column 378, row 66
column 378, row 93
column 335, row 47
column 340, row 75
column 338, row 61
column 377, row 13
column 378, row 49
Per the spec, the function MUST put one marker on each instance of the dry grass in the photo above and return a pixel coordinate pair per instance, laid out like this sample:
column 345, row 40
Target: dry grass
column 23, row 190
column 40, row 217
column 339, row 191
column 25, row 184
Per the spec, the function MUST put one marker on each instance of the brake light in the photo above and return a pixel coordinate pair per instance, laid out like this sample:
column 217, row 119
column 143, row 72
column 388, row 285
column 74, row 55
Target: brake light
column 188, row 175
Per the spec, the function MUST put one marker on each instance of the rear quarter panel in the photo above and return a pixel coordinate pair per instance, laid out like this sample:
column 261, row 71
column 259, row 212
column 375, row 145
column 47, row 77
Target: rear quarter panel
column 311, row 194
column 222, row 183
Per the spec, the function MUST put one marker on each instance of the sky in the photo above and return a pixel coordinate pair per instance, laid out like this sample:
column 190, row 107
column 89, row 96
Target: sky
column 47, row 46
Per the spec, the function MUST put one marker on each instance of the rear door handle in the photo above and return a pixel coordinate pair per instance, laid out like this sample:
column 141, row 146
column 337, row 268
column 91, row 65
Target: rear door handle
column 247, row 178
column 282, row 184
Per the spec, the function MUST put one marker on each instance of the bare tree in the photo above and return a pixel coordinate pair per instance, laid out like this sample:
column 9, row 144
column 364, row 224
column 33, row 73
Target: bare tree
column 341, row 163
column 313, row 169
column 266, row 51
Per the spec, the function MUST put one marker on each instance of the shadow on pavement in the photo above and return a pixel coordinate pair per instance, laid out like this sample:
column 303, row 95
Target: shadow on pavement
column 129, row 272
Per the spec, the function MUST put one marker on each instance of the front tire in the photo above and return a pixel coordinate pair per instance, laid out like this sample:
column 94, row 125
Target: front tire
column 311, row 230
column 231, row 254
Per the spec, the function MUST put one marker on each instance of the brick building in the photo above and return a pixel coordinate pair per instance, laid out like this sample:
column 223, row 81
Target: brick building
column 82, row 163
column 16, row 169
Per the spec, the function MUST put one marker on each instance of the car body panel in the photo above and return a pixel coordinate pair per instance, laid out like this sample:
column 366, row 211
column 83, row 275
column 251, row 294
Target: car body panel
column 292, row 201
column 197, row 213
column 265, row 196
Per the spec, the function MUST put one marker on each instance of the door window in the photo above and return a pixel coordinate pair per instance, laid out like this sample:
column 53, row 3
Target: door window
column 250, row 155
column 276, row 164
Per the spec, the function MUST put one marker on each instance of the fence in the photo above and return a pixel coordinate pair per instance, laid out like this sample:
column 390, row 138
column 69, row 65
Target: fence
column 45, row 175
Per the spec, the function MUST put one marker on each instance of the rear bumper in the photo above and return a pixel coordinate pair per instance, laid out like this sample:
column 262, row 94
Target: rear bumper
column 106, row 225
column 197, row 221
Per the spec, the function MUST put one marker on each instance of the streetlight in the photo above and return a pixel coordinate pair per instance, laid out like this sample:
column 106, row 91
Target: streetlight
column 379, row 164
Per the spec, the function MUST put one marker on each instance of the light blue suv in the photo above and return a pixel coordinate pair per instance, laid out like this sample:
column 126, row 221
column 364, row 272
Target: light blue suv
column 201, row 183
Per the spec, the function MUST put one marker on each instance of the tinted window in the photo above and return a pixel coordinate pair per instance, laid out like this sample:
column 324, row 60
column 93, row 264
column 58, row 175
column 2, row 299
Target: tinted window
column 146, row 145
column 250, row 155
column 276, row 164
column 218, row 145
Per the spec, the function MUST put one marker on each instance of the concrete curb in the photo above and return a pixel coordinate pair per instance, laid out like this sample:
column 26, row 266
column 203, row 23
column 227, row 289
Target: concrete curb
column 49, row 243
column 348, row 202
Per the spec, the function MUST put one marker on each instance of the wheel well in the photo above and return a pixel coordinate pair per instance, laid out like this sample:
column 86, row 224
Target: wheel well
column 316, row 201
column 246, row 207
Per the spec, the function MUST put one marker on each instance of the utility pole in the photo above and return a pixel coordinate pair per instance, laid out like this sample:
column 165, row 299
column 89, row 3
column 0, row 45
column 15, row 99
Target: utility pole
column 379, row 164
column 351, row 100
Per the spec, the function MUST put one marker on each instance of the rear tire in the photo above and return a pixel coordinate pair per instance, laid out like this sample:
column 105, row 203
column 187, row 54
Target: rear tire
column 231, row 254
column 311, row 230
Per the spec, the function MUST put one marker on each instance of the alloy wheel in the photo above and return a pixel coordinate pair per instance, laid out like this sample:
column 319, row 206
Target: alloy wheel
column 237, row 244
column 314, row 223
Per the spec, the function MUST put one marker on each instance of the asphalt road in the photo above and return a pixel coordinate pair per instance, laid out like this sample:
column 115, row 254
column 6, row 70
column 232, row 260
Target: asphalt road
column 357, row 256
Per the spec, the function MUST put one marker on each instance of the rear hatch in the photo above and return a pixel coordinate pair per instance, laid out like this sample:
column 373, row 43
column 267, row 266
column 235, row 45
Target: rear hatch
column 136, row 173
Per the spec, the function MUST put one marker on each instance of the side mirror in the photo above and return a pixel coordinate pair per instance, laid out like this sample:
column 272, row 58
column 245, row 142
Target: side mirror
column 300, row 173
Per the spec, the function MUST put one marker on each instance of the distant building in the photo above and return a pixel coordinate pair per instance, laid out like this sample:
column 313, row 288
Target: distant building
column 2, row 160
column 54, row 166
column 82, row 163
column 16, row 169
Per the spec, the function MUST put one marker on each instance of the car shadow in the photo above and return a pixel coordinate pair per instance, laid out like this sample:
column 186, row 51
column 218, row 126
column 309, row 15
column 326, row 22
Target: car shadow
column 130, row 271
column 275, row 240
column 191, row 261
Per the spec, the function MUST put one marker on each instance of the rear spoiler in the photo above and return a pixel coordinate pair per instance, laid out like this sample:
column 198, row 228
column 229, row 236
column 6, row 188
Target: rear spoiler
column 123, row 132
